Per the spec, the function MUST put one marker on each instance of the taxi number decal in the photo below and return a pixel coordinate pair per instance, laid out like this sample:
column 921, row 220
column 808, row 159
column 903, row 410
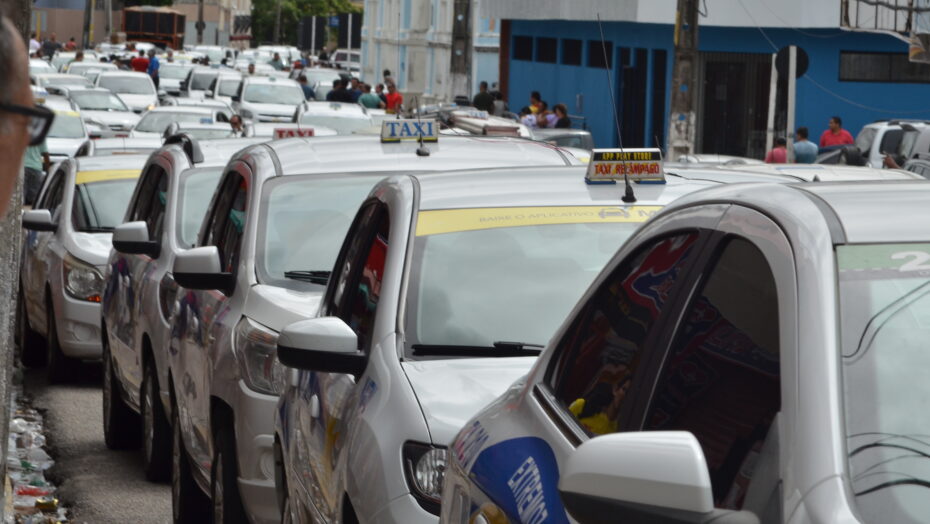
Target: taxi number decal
column 918, row 260
column 87, row 177
column 438, row 221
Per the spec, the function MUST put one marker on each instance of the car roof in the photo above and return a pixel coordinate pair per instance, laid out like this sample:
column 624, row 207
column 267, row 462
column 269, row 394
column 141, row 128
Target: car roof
column 60, row 104
column 103, row 163
column 825, row 172
column 128, row 142
column 551, row 186
column 182, row 109
column 131, row 74
column 330, row 154
column 269, row 80
column 337, row 109
column 219, row 151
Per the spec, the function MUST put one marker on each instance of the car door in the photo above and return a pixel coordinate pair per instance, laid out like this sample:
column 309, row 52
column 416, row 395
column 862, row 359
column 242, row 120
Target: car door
column 208, row 322
column 358, row 274
column 37, row 249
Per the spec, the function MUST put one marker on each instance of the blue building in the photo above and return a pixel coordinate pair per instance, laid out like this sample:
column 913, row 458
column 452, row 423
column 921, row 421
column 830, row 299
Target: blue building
column 859, row 76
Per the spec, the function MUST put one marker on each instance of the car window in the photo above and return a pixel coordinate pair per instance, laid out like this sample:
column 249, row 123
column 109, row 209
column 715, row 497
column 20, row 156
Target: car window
column 153, row 197
column 362, row 273
column 865, row 138
column 52, row 196
column 227, row 221
column 194, row 194
column 721, row 379
column 601, row 353
column 891, row 140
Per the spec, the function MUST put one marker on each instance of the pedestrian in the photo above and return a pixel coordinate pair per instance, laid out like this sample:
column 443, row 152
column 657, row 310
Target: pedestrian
column 51, row 46
column 779, row 154
column 395, row 100
column 550, row 116
column 499, row 105
column 152, row 69
column 34, row 44
column 276, row 62
column 354, row 90
column 483, row 101
column 71, row 45
column 78, row 57
column 562, row 121
column 21, row 123
column 369, row 99
column 140, row 64
column 805, row 151
column 235, row 122
column 527, row 117
column 338, row 93
column 388, row 79
column 535, row 102
column 170, row 56
column 308, row 91
column 36, row 164
column 324, row 56
column 379, row 90
column 835, row 135
column 251, row 70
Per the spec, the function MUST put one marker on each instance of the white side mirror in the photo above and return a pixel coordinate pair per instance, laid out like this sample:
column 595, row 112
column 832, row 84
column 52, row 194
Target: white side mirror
column 39, row 220
column 133, row 238
column 199, row 268
column 321, row 344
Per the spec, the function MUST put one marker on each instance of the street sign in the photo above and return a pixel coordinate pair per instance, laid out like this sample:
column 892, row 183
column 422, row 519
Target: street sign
column 782, row 58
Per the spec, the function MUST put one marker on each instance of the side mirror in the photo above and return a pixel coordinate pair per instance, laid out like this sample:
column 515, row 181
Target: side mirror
column 199, row 268
column 658, row 476
column 325, row 344
column 132, row 238
column 235, row 98
column 162, row 93
column 39, row 220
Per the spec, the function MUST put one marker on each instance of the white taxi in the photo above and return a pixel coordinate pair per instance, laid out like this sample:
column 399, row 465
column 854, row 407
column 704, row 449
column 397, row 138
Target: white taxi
column 263, row 257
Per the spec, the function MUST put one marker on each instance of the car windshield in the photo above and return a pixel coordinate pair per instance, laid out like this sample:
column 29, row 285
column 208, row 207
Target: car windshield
column 157, row 122
column 229, row 87
column 480, row 276
column 343, row 125
column 201, row 81
column 66, row 125
column 321, row 77
column 865, row 138
column 289, row 94
column 101, row 205
column 174, row 71
column 127, row 85
column 69, row 80
column 98, row 101
column 303, row 222
column 885, row 325
column 194, row 195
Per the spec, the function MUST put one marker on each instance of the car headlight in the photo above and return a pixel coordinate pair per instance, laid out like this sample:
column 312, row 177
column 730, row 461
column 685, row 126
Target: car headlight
column 150, row 107
column 82, row 280
column 245, row 113
column 256, row 351
column 424, row 466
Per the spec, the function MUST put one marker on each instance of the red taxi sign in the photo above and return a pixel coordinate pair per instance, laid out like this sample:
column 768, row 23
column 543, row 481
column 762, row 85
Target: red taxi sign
column 639, row 165
column 283, row 132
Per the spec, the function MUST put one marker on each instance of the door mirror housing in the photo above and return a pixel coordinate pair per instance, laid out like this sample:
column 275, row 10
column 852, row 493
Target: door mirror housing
column 199, row 268
column 39, row 220
column 325, row 344
column 657, row 476
column 235, row 98
column 132, row 238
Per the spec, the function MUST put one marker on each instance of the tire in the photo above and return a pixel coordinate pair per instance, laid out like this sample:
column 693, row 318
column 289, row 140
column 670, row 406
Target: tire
column 58, row 367
column 31, row 345
column 156, row 432
column 188, row 504
column 120, row 423
column 224, row 487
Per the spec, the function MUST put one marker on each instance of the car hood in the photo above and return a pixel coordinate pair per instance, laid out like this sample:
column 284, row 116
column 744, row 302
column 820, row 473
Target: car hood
column 452, row 391
column 112, row 118
column 138, row 102
column 276, row 307
column 145, row 134
column 63, row 146
column 93, row 248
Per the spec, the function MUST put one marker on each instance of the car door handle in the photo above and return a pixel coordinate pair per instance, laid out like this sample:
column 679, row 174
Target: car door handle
column 315, row 406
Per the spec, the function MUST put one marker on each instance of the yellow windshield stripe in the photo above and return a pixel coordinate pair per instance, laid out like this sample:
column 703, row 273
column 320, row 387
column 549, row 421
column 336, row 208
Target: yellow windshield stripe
column 87, row 177
column 434, row 222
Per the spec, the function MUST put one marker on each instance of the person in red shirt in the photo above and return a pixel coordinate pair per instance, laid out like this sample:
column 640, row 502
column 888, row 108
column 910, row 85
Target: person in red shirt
column 779, row 154
column 836, row 135
column 394, row 99
column 140, row 63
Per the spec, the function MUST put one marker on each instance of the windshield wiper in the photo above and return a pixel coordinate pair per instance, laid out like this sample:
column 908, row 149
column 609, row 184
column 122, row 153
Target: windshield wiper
column 497, row 349
column 314, row 277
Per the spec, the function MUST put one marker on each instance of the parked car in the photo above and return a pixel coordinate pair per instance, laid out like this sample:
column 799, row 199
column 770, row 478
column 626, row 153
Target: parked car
column 135, row 89
column 268, row 99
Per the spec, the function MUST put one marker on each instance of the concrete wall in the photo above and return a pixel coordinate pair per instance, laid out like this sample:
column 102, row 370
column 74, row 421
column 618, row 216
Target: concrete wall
column 70, row 22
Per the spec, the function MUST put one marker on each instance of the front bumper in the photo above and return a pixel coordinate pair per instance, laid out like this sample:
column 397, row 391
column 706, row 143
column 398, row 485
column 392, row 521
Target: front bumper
column 78, row 323
column 255, row 442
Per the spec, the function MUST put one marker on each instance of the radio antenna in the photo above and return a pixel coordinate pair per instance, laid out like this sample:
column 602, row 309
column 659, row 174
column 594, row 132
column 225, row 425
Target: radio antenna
column 421, row 151
column 628, row 196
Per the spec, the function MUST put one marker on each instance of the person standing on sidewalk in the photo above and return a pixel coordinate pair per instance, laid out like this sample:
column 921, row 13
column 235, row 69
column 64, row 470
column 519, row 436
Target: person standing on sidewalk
column 779, row 154
column 483, row 100
column 805, row 151
column 152, row 69
column 36, row 163
column 835, row 135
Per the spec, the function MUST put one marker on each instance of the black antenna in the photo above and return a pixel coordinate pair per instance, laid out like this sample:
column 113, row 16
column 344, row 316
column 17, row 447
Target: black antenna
column 628, row 195
column 421, row 151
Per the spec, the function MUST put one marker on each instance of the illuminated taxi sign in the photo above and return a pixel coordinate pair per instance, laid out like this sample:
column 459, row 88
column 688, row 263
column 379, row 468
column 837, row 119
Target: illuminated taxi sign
column 639, row 165
column 409, row 129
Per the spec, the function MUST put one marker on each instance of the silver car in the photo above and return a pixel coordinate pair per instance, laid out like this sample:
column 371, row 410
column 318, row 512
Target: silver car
column 268, row 99
column 342, row 117
column 154, row 123
column 135, row 89
column 106, row 110
column 64, row 253
column 263, row 255
column 754, row 353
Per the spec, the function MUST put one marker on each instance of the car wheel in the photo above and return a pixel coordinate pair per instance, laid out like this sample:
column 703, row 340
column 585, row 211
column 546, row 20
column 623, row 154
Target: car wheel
column 188, row 503
column 120, row 424
column 156, row 434
column 30, row 343
column 224, row 487
column 58, row 367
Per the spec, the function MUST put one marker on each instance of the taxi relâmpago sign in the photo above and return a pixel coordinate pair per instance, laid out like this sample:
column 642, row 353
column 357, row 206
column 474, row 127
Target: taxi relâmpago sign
column 639, row 165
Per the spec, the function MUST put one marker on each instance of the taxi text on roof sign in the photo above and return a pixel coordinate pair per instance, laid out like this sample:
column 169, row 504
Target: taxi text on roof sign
column 409, row 129
column 639, row 165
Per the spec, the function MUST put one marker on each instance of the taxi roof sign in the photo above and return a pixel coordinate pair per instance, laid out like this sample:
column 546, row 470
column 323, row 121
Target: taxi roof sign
column 409, row 129
column 639, row 165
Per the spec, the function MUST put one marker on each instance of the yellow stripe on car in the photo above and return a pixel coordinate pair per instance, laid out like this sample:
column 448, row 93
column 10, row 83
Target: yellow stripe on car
column 438, row 221
column 87, row 177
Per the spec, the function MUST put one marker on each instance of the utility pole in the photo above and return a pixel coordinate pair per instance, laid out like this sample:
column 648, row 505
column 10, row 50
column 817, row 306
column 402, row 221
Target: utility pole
column 88, row 22
column 277, row 22
column 461, row 48
column 200, row 25
column 681, row 127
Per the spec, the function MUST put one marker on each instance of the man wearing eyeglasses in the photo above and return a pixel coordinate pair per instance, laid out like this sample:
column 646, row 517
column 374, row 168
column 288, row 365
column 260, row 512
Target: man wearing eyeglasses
column 21, row 122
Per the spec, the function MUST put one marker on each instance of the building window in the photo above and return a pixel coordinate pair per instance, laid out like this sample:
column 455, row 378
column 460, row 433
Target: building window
column 547, row 50
column 522, row 48
column 596, row 54
column 882, row 67
column 571, row 52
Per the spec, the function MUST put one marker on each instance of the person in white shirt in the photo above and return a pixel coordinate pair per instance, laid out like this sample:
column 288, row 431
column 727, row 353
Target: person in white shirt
column 34, row 44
